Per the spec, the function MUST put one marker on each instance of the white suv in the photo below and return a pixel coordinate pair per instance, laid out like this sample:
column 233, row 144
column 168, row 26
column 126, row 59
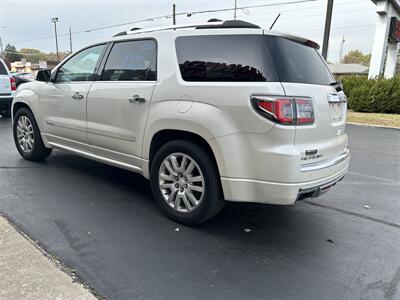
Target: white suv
column 211, row 112
column 7, row 90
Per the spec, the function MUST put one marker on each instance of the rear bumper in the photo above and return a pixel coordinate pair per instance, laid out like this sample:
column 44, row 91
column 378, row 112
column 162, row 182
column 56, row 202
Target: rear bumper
column 249, row 190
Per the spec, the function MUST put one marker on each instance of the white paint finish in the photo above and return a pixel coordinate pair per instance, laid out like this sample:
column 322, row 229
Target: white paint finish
column 5, row 84
column 115, row 123
column 62, row 114
column 184, row 106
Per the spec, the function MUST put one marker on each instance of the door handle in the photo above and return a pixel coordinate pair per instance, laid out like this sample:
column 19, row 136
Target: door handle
column 136, row 99
column 77, row 96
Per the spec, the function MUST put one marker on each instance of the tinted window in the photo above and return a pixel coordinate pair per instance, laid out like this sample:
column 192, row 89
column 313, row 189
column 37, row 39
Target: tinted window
column 3, row 70
column 225, row 58
column 298, row 63
column 131, row 61
column 80, row 67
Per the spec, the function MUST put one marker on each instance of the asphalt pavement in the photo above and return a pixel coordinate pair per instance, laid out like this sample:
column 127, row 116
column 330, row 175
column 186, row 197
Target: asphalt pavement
column 102, row 222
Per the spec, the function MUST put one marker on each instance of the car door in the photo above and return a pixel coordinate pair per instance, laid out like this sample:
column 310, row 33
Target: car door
column 118, row 102
column 63, row 100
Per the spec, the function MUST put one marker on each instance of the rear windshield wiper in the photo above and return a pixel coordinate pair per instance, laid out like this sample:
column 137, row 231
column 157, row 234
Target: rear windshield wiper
column 338, row 85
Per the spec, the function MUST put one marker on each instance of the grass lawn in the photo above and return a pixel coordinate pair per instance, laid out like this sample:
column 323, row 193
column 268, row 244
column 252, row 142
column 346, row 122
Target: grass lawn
column 374, row 119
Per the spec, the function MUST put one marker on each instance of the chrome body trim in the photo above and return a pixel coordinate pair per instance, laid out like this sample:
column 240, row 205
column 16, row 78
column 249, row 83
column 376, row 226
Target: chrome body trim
column 326, row 163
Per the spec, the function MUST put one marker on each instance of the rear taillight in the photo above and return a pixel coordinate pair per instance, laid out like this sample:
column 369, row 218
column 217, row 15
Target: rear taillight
column 285, row 110
column 13, row 84
column 304, row 111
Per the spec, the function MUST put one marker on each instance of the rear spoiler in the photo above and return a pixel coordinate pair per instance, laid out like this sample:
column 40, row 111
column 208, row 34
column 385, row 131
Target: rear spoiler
column 297, row 39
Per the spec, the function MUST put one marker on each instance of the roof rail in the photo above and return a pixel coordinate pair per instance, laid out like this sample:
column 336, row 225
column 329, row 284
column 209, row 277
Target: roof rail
column 229, row 24
column 213, row 23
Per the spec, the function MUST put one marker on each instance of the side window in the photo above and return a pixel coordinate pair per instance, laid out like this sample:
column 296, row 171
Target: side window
column 131, row 61
column 225, row 58
column 80, row 67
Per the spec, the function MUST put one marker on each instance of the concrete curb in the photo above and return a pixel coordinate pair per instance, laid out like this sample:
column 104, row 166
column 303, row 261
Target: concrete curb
column 372, row 125
column 52, row 260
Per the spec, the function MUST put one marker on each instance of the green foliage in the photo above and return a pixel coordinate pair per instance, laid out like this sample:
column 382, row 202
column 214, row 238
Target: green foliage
column 356, row 57
column 11, row 54
column 32, row 55
column 378, row 95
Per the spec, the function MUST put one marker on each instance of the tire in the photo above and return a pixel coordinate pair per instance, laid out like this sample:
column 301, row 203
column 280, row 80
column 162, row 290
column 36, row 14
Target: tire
column 5, row 111
column 164, row 183
column 33, row 148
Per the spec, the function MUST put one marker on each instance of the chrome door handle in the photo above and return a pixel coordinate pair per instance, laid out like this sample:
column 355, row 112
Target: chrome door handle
column 77, row 96
column 136, row 99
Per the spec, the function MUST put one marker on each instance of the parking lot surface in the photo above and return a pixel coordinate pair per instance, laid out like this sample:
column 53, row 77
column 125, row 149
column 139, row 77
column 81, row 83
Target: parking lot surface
column 102, row 222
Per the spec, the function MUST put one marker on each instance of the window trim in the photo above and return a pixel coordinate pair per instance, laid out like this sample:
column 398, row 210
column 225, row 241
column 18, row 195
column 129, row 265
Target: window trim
column 54, row 74
column 107, row 55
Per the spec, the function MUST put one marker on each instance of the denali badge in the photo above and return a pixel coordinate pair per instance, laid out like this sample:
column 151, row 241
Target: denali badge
column 311, row 154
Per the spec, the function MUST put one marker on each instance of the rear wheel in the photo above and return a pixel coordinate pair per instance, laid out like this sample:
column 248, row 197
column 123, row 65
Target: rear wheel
column 185, row 183
column 27, row 137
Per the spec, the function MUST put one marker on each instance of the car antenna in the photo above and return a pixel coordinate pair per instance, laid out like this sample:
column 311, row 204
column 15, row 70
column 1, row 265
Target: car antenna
column 276, row 19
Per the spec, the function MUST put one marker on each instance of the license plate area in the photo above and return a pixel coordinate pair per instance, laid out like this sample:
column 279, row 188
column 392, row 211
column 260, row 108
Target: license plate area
column 336, row 106
column 336, row 111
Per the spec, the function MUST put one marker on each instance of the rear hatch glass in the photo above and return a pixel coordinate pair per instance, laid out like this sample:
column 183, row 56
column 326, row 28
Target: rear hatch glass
column 298, row 63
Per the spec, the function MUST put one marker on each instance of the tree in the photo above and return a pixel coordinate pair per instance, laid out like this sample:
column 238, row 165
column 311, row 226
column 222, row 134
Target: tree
column 11, row 54
column 32, row 55
column 356, row 57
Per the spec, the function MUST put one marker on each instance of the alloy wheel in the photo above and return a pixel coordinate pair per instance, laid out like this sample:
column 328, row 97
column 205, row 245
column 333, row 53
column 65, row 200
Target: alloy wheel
column 181, row 182
column 25, row 134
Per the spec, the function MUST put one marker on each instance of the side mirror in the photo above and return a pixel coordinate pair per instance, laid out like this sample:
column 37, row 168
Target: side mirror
column 43, row 75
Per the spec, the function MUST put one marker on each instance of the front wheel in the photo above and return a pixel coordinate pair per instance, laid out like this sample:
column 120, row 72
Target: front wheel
column 27, row 137
column 185, row 183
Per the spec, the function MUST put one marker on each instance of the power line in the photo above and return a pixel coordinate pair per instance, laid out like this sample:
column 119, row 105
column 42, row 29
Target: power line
column 168, row 16
column 32, row 54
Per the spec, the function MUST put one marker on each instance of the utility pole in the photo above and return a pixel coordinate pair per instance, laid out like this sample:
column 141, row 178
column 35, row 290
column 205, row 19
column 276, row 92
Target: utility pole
column 1, row 48
column 55, row 20
column 235, row 11
column 174, row 14
column 70, row 40
column 327, row 32
column 1, row 43
column 341, row 49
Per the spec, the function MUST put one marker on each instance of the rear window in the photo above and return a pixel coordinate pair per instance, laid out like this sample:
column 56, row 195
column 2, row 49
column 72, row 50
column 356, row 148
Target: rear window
column 249, row 58
column 298, row 63
column 3, row 70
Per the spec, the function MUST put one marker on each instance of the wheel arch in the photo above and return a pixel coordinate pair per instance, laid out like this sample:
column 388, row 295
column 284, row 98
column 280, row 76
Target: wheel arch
column 25, row 98
column 164, row 135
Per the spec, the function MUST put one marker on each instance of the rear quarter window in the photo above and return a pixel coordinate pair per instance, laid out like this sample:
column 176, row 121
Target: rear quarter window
column 234, row 58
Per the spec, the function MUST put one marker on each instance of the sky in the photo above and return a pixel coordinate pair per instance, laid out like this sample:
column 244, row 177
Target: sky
column 27, row 24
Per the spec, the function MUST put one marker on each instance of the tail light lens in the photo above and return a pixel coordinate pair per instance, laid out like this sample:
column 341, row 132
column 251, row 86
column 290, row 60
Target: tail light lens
column 285, row 111
column 13, row 84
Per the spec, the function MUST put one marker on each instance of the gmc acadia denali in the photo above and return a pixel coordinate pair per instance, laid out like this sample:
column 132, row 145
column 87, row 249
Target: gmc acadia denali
column 215, row 112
